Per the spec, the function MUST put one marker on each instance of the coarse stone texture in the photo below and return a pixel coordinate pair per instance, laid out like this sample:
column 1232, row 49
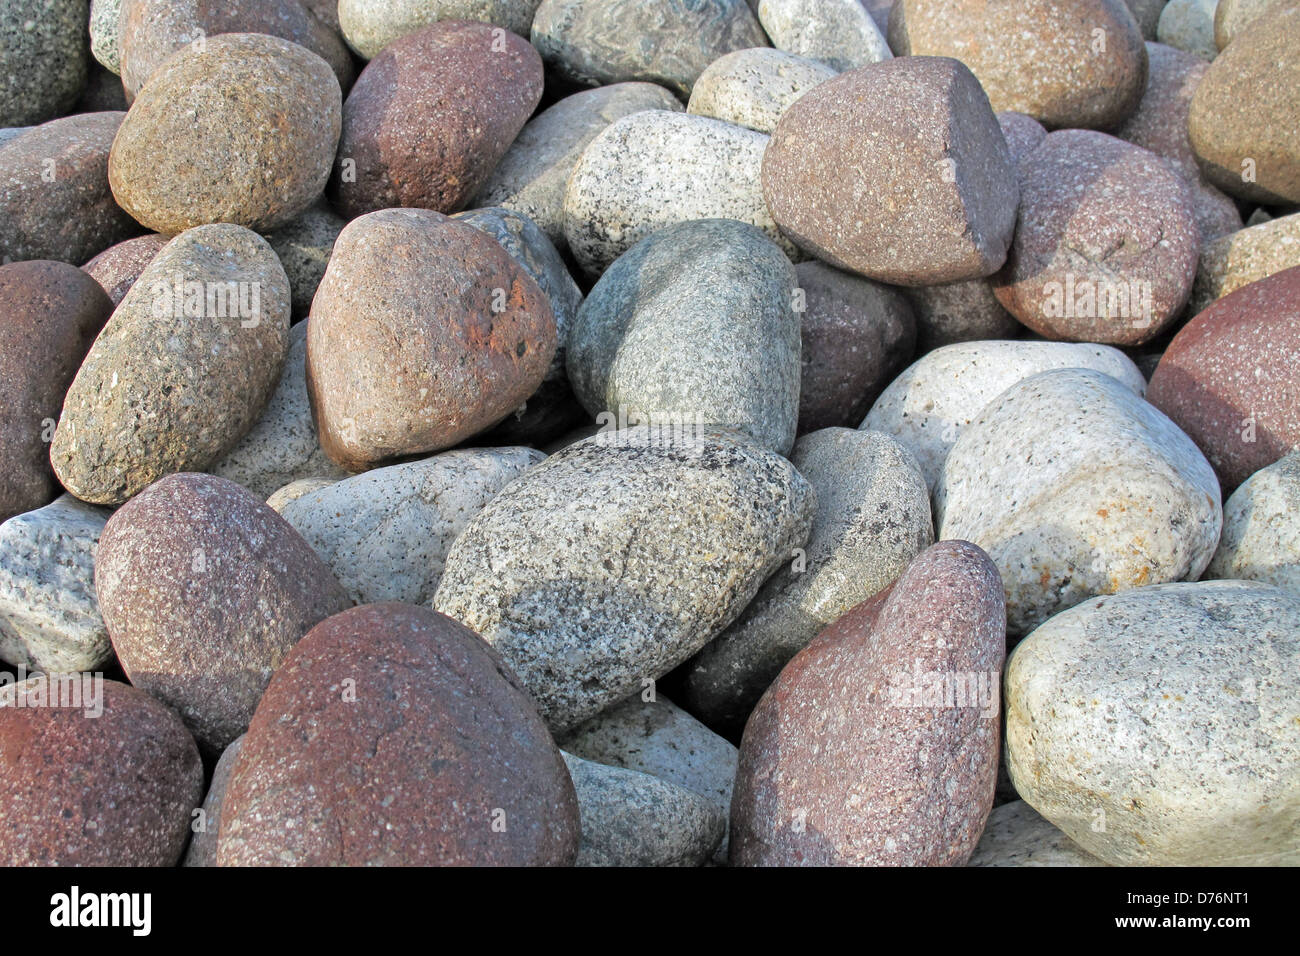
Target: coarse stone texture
column 662, row 41
column 1233, row 16
column 54, row 197
column 1188, row 25
column 94, row 775
column 1106, row 242
column 181, row 372
column 12, row 132
column 649, row 733
column 1160, row 124
column 1254, row 152
column 631, row 818
column 941, row 394
column 303, row 247
column 176, row 565
column 294, row 490
column 866, row 751
column 49, row 615
column 965, row 311
column 50, row 313
column 926, row 172
column 655, row 168
column 44, row 58
column 326, row 11
column 857, row 335
column 371, row 25
column 283, row 446
column 873, row 518
column 619, row 557
column 1023, row 134
column 150, row 31
column 1231, row 377
column 405, row 740
column 839, row 33
column 693, row 324
column 1076, row 487
column 752, row 88
column 1261, row 536
column 1167, row 715
column 1016, row 835
column 431, row 116
column 386, row 533
column 202, row 850
column 105, row 34
column 118, row 267
column 1240, row 258
column 552, row 409
column 1039, row 57
column 532, row 176
column 424, row 332
column 243, row 132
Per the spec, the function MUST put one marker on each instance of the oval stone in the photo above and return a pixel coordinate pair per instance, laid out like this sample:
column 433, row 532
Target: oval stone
column 370, row 27
column 1261, row 534
column 752, row 88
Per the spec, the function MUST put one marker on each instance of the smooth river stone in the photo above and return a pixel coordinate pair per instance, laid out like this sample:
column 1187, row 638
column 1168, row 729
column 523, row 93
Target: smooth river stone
column 839, row 33
column 878, row 744
column 1261, row 533
column 1016, row 835
column 371, row 25
column 1157, row 727
column 917, row 190
column 1024, row 483
column 1188, row 25
column 619, row 557
column 204, row 376
column 752, row 88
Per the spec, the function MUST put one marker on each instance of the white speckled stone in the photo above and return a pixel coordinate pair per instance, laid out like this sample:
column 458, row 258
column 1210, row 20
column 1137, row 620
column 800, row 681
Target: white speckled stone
column 873, row 518
column 1075, row 487
column 371, row 25
column 933, row 401
column 965, row 311
column 1261, row 528
column 752, row 88
column 619, row 557
column 657, row 167
column 283, row 446
column 1158, row 726
column 1189, row 25
column 49, row 615
column 104, row 34
column 386, row 533
column 1243, row 257
column 1015, row 835
column 635, row 819
column 839, row 33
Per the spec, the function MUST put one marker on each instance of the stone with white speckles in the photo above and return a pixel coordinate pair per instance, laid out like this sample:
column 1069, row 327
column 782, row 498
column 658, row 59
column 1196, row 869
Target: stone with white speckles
column 118, row 267
column 1188, row 25
column 1023, row 133
column 839, row 33
column 662, row 41
column 965, row 311
column 1039, row 57
column 44, row 58
column 620, row 556
column 105, row 36
column 1240, row 258
column 752, row 88
column 905, row 682
column 386, row 533
column 918, row 190
column 1016, row 835
column 1233, row 16
column 655, row 168
column 49, row 616
column 873, row 518
column 1261, row 528
column 631, row 818
column 1231, row 377
column 176, row 566
column 304, row 247
column 1106, row 242
column 1157, row 727
column 930, row 404
column 1075, row 487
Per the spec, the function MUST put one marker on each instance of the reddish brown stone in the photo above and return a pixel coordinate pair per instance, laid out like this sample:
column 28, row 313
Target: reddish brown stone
column 55, row 201
column 50, row 313
column 1106, row 245
column 423, row 332
column 117, row 267
column 1231, row 378
column 856, row 755
column 204, row 589
column 431, row 116
column 857, row 335
column 1024, row 134
column 76, row 789
column 395, row 736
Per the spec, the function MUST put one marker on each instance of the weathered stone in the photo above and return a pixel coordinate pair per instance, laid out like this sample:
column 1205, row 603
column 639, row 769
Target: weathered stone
column 303, row 247
column 202, row 850
column 1236, row 260
column 44, row 58
column 1261, row 538
column 1017, row 836
column 1023, row 133
column 839, row 33
column 118, row 267
column 1188, row 25
column 105, row 34
column 966, row 311
column 752, row 88
column 369, row 27
column 1233, row 16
